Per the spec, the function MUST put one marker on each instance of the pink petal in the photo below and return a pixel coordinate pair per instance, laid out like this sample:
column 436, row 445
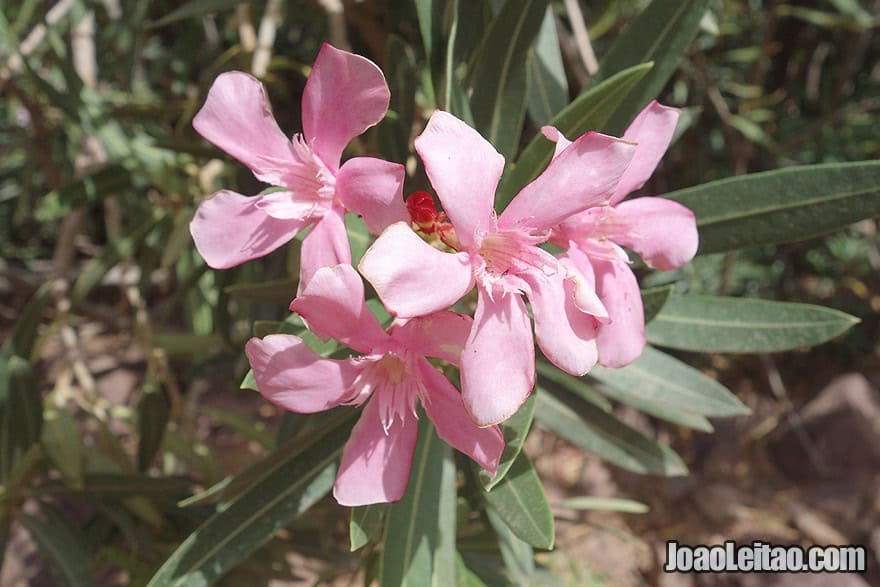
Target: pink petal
column 345, row 95
column 325, row 245
column 291, row 376
column 662, row 232
column 652, row 129
column 464, row 170
column 552, row 133
column 498, row 362
column 441, row 335
column 446, row 410
column 375, row 466
column 332, row 303
column 413, row 278
column 585, row 174
column 374, row 189
column 236, row 117
column 284, row 205
column 623, row 339
column 229, row 229
column 566, row 335
column 580, row 271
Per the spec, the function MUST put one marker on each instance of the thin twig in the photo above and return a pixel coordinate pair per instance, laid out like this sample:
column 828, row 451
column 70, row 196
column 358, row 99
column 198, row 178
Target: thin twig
column 34, row 38
column 581, row 36
column 266, row 38
column 246, row 32
column 777, row 387
column 336, row 23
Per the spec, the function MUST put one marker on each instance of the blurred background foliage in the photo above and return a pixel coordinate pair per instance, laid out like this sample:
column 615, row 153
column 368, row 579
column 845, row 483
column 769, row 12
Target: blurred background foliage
column 138, row 351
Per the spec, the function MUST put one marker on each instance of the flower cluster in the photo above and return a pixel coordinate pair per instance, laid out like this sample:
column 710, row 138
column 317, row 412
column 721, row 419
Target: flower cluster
column 585, row 302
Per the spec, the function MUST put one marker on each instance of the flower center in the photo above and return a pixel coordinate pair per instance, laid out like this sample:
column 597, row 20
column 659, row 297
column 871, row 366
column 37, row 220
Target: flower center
column 309, row 175
column 511, row 252
column 393, row 379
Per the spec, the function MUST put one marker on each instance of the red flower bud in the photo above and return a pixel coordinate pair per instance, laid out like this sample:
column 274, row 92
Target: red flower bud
column 421, row 209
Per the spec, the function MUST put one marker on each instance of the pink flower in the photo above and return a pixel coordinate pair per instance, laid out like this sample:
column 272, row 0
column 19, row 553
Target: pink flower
column 662, row 232
column 393, row 371
column 344, row 96
column 500, row 255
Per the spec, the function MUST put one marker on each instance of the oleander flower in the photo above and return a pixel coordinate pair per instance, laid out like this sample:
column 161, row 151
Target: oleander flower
column 662, row 232
column 499, row 254
column 344, row 96
column 390, row 375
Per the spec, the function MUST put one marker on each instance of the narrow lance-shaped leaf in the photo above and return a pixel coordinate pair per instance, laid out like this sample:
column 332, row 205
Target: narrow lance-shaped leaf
column 548, row 87
column 22, row 414
column 499, row 78
column 737, row 325
column 518, row 556
column 193, row 8
column 608, row 504
column 230, row 488
column 85, row 191
column 153, row 412
column 782, row 206
column 62, row 545
column 400, row 71
column 430, row 17
column 253, row 517
column 661, row 379
column 366, row 524
column 520, row 502
column 653, row 300
column 662, row 33
column 515, row 429
column 589, row 111
column 600, row 433
column 24, row 333
column 419, row 544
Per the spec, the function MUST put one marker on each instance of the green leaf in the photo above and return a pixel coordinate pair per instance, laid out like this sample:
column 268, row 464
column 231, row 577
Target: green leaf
column 515, row 429
column 606, row 504
column 499, row 75
column 87, row 190
column 662, row 33
column 430, row 17
column 24, row 333
column 118, row 250
column 153, row 411
column 120, row 486
column 782, row 206
column 551, row 377
column 659, row 409
column 518, row 556
column 419, row 544
column 194, row 8
column 61, row 440
column 548, row 87
column 600, row 433
column 520, row 502
column 664, row 380
column 454, row 97
column 653, row 300
column 279, row 291
column 464, row 577
column 589, row 111
column 253, row 517
column 366, row 524
column 230, row 488
column 22, row 411
column 737, row 325
column 62, row 544
column 400, row 70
